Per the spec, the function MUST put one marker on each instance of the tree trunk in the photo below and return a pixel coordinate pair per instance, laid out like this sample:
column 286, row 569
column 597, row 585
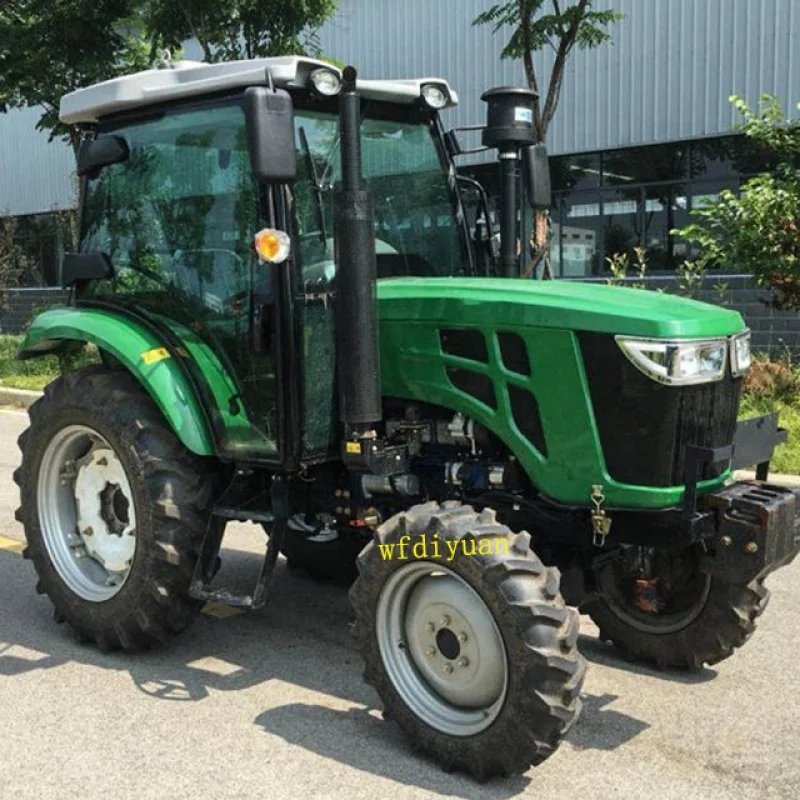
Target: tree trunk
column 539, row 246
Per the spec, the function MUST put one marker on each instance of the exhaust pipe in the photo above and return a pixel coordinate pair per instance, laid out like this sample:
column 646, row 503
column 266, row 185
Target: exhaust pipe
column 356, row 310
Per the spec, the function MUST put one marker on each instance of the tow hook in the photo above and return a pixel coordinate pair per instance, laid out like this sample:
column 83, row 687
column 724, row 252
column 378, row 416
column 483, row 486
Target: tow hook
column 601, row 522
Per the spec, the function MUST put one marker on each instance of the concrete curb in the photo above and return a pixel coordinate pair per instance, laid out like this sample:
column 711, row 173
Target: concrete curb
column 22, row 398
column 774, row 477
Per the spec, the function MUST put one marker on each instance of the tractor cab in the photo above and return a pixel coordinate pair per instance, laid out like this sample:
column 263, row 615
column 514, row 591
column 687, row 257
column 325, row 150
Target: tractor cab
column 204, row 164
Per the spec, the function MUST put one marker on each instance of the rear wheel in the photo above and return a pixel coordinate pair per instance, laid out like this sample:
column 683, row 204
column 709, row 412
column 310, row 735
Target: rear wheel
column 475, row 657
column 677, row 616
column 114, row 510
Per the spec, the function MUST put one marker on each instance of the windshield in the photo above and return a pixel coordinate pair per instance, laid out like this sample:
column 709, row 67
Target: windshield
column 417, row 224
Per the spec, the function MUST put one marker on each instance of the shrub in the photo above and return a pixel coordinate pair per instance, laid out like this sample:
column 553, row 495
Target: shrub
column 758, row 229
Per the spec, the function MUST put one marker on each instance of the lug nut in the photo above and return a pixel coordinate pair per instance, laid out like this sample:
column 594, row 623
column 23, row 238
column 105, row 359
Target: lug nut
column 463, row 662
column 430, row 627
column 88, row 531
column 448, row 668
column 751, row 547
column 726, row 541
column 430, row 652
column 462, row 637
column 445, row 621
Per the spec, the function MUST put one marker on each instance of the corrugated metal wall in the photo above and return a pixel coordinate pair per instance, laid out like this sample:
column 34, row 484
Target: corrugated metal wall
column 35, row 175
column 668, row 75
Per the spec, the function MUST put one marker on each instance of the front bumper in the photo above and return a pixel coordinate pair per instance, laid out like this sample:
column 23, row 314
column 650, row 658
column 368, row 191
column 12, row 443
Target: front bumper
column 747, row 529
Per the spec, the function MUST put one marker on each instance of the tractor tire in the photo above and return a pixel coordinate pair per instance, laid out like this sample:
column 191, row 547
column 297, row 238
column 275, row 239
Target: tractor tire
column 98, row 450
column 725, row 621
column 476, row 657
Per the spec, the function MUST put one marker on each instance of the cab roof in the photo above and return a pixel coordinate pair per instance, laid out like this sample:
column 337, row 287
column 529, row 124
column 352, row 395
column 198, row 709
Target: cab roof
column 193, row 78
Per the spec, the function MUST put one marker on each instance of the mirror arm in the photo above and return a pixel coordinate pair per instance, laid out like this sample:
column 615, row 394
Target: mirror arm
column 484, row 199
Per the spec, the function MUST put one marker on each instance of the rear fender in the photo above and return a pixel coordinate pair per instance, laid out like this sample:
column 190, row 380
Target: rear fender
column 140, row 352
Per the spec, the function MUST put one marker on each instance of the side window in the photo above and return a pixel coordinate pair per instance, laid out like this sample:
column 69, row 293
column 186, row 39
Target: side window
column 177, row 218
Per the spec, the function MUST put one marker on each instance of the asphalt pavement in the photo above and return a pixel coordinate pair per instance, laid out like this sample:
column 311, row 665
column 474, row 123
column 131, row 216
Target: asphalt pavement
column 272, row 705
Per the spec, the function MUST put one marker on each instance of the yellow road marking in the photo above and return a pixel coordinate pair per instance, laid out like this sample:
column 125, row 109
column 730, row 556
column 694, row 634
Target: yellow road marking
column 11, row 545
column 218, row 610
column 222, row 611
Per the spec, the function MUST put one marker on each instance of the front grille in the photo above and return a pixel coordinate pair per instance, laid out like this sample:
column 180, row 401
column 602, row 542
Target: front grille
column 645, row 426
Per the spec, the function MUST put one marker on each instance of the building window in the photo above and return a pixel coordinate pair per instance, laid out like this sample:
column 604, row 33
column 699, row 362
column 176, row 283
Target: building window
column 609, row 203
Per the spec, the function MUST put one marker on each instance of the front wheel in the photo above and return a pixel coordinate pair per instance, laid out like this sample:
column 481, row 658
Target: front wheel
column 677, row 616
column 472, row 651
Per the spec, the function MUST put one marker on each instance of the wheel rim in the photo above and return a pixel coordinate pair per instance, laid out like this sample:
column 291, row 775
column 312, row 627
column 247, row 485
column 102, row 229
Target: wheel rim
column 86, row 513
column 682, row 608
column 442, row 649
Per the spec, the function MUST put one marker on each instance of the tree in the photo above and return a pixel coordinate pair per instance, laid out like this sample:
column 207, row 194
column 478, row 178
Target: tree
column 758, row 229
column 236, row 29
column 14, row 262
column 48, row 49
column 539, row 24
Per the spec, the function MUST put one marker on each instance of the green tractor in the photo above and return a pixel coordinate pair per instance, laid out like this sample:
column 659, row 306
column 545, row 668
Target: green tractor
column 299, row 328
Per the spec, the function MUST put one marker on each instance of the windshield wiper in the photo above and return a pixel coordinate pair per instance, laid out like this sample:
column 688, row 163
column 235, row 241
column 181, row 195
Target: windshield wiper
column 316, row 183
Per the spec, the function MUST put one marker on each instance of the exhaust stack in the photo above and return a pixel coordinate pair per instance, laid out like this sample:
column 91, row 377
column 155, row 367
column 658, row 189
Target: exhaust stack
column 356, row 308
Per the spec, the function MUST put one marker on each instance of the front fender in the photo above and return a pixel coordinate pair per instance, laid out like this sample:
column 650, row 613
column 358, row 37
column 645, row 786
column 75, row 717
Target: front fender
column 140, row 352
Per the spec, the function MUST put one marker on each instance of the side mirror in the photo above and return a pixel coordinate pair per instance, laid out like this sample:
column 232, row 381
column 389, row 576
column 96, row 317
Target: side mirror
column 101, row 152
column 536, row 174
column 80, row 267
column 269, row 117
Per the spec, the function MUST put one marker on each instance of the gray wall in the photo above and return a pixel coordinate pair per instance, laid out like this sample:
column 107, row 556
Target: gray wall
column 668, row 75
column 35, row 175
column 22, row 304
column 773, row 332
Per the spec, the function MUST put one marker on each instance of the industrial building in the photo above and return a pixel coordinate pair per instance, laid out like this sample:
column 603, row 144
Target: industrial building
column 643, row 133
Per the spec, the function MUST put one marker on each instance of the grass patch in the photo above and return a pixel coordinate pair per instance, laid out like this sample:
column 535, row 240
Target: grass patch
column 36, row 373
column 787, row 456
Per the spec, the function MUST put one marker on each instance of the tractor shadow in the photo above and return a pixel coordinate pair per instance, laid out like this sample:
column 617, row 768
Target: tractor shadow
column 360, row 739
column 607, row 655
column 301, row 638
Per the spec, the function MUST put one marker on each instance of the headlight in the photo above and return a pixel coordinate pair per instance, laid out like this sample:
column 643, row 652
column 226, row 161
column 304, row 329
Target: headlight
column 435, row 96
column 740, row 354
column 677, row 362
column 326, row 82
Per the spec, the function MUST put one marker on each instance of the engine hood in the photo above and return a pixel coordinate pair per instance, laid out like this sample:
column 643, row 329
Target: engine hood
column 552, row 304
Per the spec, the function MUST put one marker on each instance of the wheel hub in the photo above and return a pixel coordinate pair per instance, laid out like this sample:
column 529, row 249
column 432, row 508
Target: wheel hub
column 86, row 512
column 106, row 521
column 453, row 640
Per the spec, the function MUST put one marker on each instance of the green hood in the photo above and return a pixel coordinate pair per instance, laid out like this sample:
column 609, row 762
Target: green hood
column 552, row 304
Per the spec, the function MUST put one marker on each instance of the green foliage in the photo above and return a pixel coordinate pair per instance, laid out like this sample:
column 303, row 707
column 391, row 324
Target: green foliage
column 48, row 49
column 758, row 230
column 773, row 385
column 548, row 25
column 14, row 262
column 35, row 373
column 620, row 263
column 236, row 29
column 537, row 24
